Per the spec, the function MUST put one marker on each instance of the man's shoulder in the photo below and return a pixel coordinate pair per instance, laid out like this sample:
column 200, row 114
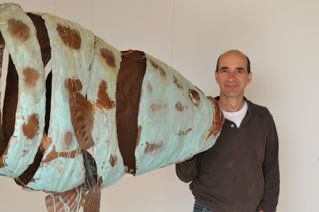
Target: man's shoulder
column 259, row 109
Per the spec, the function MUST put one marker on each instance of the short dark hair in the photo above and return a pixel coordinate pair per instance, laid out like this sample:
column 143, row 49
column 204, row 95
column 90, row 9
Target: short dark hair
column 230, row 51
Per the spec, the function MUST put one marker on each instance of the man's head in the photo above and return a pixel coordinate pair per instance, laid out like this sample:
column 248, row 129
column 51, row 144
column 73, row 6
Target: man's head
column 233, row 73
column 234, row 51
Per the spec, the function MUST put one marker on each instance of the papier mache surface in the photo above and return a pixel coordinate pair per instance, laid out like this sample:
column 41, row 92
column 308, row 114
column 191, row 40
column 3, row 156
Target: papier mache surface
column 130, row 111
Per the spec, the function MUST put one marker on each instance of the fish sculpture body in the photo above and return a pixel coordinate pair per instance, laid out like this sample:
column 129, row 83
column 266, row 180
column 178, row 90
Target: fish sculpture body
column 77, row 114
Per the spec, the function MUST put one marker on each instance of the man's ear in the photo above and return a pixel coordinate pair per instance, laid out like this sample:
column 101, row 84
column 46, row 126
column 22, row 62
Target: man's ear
column 215, row 73
column 250, row 77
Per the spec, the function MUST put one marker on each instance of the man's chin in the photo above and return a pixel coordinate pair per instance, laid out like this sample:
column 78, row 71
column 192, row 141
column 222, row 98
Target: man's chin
column 233, row 94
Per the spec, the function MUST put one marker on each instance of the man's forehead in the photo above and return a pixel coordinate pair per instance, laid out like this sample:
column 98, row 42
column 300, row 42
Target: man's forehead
column 233, row 54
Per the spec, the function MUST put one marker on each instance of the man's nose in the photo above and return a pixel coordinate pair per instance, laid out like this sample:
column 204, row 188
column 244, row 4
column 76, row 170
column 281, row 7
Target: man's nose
column 231, row 76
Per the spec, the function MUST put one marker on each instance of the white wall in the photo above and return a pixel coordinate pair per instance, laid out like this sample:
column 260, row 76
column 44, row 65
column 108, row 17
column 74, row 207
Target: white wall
column 282, row 39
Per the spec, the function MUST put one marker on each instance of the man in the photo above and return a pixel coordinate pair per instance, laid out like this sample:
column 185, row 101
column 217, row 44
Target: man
column 240, row 173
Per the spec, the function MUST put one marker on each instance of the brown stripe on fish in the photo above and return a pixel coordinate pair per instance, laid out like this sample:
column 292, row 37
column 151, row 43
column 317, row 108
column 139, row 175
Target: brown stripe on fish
column 42, row 37
column 2, row 43
column 91, row 175
column 54, row 155
column 44, row 42
column 128, row 93
column 28, row 174
column 108, row 56
column 70, row 37
column 9, row 106
column 2, row 46
column 139, row 131
column 48, row 94
column 18, row 29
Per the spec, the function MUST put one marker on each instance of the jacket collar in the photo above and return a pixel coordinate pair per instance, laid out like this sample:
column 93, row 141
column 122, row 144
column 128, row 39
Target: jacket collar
column 248, row 115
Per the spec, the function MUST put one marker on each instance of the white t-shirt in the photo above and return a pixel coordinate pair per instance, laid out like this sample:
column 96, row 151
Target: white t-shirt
column 237, row 116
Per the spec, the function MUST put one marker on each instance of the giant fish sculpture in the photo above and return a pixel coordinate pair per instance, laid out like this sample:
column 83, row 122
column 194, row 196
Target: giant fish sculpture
column 77, row 114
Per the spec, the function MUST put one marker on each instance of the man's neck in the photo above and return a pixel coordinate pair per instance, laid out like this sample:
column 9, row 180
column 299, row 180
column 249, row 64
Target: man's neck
column 231, row 104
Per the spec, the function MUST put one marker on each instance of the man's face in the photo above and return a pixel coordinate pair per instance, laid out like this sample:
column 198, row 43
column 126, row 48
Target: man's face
column 232, row 75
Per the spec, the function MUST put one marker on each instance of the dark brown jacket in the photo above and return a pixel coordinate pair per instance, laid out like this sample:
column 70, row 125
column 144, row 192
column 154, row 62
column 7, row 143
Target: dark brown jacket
column 240, row 173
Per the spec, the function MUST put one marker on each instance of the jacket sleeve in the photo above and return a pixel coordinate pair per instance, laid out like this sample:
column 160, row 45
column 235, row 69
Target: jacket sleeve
column 271, row 171
column 186, row 171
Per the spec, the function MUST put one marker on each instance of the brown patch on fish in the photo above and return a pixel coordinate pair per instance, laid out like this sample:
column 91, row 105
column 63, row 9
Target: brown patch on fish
column 18, row 29
column 113, row 160
column 108, row 56
column 104, row 100
column 70, row 37
column 68, row 138
column 184, row 132
column 50, row 156
column 152, row 147
column 81, row 114
column 158, row 67
column 31, row 128
column 149, row 87
column 157, row 106
column 194, row 96
column 177, row 83
column 54, row 154
column 82, row 121
column 218, row 121
column 31, row 76
column 45, row 142
column 179, row 106
column 73, row 85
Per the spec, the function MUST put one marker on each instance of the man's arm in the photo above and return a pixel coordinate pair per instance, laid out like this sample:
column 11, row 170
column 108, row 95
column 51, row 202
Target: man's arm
column 271, row 171
column 187, row 171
